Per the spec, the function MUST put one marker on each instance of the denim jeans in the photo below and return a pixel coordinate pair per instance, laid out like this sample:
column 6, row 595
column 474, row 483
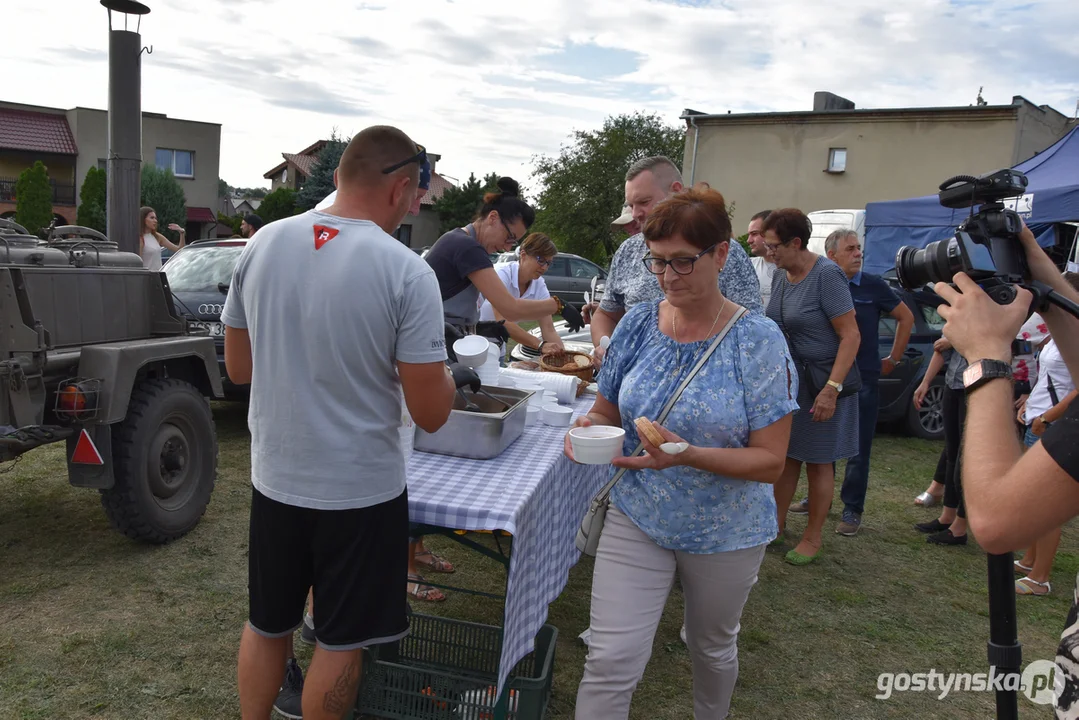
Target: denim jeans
column 856, row 479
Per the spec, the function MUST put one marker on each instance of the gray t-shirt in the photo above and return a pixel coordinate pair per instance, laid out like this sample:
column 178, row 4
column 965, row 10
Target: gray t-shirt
column 629, row 282
column 454, row 257
column 330, row 305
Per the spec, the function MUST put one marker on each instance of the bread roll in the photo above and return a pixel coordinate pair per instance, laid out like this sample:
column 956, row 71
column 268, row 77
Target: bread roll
column 647, row 432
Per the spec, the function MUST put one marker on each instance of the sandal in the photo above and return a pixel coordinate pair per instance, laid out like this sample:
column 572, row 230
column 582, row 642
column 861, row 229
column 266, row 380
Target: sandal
column 1026, row 586
column 432, row 562
column 928, row 499
column 1022, row 569
column 418, row 590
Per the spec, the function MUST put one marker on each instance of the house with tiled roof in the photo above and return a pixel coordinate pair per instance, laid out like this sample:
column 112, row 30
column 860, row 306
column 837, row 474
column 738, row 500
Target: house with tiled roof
column 417, row 231
column 70, row 142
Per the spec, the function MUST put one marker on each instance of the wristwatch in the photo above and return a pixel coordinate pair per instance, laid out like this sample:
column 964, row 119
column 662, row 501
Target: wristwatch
column 838, row 386
column 983, row 371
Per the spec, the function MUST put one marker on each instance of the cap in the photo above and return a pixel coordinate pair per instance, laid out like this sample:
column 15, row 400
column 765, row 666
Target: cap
column 425, row 174
column 625, row 218
column 253, row 220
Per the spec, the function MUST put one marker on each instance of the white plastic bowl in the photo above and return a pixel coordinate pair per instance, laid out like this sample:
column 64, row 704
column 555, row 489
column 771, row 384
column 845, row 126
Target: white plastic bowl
column 533, row 415
column 556, row 415
column 536, row 399
column 550, row 398
column 596, row 444
column 472, row 350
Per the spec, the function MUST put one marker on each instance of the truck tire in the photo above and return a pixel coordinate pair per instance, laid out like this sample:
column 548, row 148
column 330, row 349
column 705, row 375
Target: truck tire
column 165, row 458
column 928, row 423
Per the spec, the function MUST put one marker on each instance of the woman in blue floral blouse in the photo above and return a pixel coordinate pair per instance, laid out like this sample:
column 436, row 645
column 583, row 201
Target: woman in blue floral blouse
column 708, row 512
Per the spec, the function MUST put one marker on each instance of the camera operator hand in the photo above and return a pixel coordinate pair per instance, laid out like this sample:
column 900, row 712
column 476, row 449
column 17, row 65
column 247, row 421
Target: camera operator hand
column 976, row 326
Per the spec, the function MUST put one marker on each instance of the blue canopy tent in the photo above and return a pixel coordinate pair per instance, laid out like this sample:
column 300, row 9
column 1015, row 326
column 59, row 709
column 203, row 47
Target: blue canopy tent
column 1052, row 197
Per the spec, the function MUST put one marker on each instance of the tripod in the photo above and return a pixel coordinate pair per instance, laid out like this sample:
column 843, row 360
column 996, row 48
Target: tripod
column 1004, row 650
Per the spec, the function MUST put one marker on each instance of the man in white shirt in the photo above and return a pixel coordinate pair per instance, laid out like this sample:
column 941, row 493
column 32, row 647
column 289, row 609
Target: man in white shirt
column 763, row 265
column 327, row 364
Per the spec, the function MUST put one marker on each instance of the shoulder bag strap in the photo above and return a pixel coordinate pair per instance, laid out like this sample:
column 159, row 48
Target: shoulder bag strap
column 677, row 393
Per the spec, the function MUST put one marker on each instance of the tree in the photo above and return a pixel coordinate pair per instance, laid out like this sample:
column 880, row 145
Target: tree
column 583, row 186
column 458, row 205
column 91, row 211
column 281, row 203
column 223, row 188
column 320, row 183
column 161, row 191
column 230, row 221
column 33, row 198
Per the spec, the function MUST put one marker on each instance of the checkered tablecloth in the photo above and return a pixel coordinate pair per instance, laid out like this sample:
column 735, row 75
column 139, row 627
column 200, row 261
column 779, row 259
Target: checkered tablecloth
column 531, row 491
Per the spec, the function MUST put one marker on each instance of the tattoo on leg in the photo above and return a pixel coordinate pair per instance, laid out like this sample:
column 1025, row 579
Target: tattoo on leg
column 338, row 698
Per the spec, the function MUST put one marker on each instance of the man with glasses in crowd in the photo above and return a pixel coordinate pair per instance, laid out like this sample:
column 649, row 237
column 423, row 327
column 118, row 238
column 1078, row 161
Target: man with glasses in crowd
column 649, row 182
column 327, row 366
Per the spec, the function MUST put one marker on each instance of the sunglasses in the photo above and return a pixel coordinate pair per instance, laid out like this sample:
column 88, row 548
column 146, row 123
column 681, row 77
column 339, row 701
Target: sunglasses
column 418, row 158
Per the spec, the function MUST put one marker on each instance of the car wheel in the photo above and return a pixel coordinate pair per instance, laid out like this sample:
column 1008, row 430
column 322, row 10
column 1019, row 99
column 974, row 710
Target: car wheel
column 928, row 422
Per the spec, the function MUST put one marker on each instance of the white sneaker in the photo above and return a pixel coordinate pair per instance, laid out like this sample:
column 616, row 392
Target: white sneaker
column 682, row 634
column 586, row 636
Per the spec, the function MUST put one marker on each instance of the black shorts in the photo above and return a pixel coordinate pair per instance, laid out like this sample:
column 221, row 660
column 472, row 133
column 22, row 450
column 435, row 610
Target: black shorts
column 356, row 561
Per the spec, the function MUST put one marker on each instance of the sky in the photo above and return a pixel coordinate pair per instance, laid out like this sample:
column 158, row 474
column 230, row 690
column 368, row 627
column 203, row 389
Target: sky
column 490, row 85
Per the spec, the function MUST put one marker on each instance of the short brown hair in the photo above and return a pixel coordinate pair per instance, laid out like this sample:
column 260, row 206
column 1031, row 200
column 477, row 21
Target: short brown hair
column 699, row 216
column 538, row 244
column 787, row 224
column 373, row 149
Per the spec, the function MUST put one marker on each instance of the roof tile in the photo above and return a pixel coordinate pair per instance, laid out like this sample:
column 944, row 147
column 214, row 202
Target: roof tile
column 36, row 132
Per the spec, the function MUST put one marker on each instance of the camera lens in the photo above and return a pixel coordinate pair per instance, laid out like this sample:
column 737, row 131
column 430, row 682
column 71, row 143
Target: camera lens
column 938, row 262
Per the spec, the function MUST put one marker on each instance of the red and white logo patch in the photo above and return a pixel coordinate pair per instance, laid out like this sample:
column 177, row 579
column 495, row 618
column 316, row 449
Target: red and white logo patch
column 323, row 235
column 86, row 452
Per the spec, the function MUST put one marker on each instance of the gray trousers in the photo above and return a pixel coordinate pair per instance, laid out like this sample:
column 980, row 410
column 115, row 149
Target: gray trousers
column 632, row 579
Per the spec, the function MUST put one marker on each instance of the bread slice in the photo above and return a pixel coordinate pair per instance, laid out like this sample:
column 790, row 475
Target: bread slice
column 647, row 432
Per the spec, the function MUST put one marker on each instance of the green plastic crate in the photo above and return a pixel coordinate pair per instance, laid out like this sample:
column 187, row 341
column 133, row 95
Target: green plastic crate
column 447, row 669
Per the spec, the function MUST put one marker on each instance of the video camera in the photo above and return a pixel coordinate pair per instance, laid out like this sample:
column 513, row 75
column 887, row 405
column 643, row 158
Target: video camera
column 986, row 246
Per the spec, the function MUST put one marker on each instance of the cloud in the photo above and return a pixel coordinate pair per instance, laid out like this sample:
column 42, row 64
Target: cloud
column 488, row 86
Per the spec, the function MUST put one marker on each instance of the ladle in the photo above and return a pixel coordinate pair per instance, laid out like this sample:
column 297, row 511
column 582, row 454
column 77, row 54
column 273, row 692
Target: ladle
column 469, row 405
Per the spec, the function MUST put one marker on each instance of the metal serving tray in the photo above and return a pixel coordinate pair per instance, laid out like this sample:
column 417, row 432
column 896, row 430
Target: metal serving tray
column 479, row 435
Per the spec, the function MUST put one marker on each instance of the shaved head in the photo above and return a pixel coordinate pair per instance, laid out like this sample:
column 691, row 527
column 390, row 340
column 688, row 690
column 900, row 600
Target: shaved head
column 372, row 150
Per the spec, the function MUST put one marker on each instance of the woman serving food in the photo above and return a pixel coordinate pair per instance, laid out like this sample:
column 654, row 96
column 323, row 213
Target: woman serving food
column 462, row 263
column 524, row 279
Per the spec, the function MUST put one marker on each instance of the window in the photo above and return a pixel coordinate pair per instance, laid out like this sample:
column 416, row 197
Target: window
column 582, row 269
column 932, row 317
column 837, row 160
column 559, row 267
column 181, row 162
column 404, row 235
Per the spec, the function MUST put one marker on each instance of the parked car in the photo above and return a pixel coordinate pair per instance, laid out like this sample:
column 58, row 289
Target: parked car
column 199, row 276
column 825, row 221
column 896, row 390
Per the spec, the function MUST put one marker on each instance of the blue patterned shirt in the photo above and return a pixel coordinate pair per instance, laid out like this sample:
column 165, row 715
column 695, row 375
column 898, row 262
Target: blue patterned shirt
column 747, row 384
column 629, row 282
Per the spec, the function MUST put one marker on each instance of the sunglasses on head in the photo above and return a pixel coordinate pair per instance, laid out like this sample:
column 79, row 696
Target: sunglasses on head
column 418, row 158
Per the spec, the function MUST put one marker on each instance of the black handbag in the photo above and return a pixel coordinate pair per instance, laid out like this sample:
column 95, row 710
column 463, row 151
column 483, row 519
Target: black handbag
column 813, row 375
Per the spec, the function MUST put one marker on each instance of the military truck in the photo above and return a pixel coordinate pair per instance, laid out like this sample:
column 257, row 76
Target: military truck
column 94, row 354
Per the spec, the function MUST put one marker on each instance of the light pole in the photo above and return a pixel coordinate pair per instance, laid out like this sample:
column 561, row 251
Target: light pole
column 125, row 125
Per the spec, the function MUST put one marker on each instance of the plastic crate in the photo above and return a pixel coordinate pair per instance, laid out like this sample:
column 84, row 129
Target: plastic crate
column 447, row 670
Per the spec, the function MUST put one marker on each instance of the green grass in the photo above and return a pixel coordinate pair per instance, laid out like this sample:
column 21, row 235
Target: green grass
column 97, row 626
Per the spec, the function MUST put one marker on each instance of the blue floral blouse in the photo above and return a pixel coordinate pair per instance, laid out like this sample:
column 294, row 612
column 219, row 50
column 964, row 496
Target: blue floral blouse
column 747, row 384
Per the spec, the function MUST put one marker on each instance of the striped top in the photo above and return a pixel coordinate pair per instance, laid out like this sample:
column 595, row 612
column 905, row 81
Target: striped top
column 804, row 311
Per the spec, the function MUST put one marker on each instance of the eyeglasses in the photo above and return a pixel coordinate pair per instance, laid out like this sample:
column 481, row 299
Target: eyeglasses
column 772, row 247
column 543, row 262
column 680, row 265
column 510, row 236
column 419, row 158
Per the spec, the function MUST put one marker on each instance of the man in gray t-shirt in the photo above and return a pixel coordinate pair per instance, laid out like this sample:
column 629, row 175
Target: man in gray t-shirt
column 331, row 320
column 649, row 182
